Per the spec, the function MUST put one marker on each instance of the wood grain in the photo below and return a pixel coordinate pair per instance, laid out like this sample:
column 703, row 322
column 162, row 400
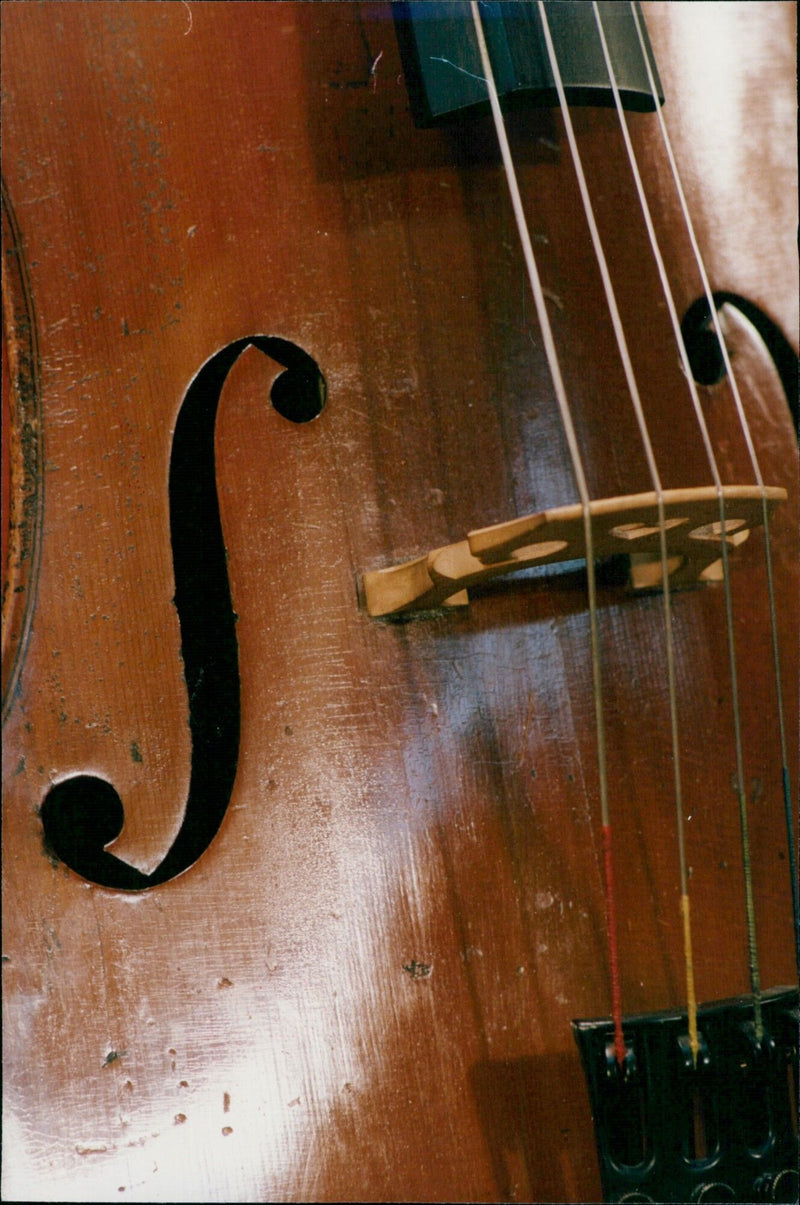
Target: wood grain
column 363, row 990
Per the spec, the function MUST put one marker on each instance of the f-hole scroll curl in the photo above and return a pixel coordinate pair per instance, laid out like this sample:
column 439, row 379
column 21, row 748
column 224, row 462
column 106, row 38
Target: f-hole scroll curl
column 84, row 814
column 705, row 357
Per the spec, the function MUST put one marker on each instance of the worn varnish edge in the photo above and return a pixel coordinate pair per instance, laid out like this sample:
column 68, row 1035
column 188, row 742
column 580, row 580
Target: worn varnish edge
column 23, row 455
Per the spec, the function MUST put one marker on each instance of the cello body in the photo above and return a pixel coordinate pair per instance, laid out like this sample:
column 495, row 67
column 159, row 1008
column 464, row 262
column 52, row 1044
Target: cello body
column 363, row 987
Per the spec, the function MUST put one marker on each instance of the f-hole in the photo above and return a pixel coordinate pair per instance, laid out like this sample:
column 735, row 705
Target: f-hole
column 84, row 814
column 706, row 359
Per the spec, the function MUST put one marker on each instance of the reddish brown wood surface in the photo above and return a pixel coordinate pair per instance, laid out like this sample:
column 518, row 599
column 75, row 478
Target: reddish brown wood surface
column 404, row 905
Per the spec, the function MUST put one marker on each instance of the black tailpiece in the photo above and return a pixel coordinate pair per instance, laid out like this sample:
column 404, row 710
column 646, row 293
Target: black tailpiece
column 723, row 1129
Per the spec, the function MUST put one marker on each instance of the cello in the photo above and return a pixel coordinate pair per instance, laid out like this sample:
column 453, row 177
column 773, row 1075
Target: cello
column 313, row 871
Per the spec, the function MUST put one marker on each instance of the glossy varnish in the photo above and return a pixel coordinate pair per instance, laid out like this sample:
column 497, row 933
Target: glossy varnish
column 364, row 988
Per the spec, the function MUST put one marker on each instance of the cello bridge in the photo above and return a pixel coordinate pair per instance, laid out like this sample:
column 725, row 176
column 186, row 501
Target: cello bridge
column 694, row 527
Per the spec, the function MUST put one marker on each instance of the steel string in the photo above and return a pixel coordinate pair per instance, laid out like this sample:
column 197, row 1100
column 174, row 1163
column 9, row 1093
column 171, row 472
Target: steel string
column 755, row 979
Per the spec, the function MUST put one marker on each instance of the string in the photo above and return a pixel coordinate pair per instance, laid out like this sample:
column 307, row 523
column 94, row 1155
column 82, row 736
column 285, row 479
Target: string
column 657, row 487
column 691, row 995
column 583, row 493
column 755, row 981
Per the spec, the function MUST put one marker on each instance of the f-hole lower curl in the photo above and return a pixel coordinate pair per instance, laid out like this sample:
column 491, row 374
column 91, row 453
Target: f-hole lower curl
column 84, row 814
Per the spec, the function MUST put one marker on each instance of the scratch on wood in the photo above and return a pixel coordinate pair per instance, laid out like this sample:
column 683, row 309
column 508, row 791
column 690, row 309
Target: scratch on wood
column 418, row 970
column 112, row 1057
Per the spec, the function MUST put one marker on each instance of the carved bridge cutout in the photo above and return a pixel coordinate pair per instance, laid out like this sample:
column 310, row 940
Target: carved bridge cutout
column 693, row 521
